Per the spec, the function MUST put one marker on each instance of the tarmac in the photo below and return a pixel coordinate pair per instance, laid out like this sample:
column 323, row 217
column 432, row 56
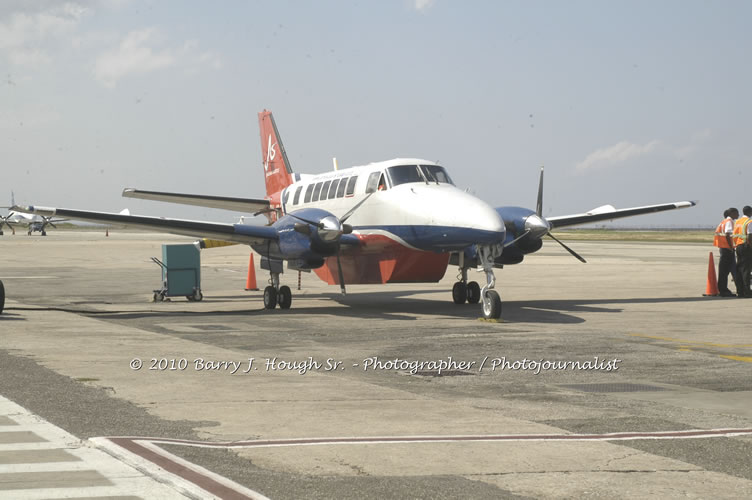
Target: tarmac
column 611, row 379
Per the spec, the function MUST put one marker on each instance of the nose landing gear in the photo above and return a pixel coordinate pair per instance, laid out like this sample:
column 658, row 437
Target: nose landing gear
column 471, row 292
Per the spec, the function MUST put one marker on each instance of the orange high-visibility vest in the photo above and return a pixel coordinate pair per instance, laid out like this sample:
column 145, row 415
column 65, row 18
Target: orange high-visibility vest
column 720, row 236
column 740, row 230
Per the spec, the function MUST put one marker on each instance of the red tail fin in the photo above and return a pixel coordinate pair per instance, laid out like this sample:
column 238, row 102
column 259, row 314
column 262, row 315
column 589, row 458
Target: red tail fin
column 277, row 170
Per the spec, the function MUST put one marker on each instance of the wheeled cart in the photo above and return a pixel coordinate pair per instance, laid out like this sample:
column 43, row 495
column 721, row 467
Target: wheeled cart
column 181, row 272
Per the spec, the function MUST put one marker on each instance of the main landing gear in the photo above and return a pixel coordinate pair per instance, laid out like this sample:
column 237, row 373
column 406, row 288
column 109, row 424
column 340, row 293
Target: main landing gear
column 277, row 295
column 472, row 292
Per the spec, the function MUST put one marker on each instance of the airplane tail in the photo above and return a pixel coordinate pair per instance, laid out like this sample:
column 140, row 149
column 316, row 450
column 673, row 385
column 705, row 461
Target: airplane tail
column 277, row 171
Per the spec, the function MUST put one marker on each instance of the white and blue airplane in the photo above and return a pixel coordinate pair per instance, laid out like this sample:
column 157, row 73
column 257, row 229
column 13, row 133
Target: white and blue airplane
column 395, row 221
column 34, row 223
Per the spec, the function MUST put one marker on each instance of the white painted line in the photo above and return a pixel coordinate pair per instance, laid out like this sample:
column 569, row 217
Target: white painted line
column 31, row 277
column 615, row 436
column 125, row 479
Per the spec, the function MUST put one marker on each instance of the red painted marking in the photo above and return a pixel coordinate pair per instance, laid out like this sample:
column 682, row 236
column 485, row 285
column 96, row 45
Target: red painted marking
column 383, row 260
column 200, row 480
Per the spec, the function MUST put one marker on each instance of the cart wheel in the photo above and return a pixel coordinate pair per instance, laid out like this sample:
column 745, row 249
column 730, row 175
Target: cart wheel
column 154, row 297
column 190, row 298
column 198, row 296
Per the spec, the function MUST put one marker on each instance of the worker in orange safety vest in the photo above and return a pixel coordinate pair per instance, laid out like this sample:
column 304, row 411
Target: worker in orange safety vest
column 743, row 251
column 727, row 261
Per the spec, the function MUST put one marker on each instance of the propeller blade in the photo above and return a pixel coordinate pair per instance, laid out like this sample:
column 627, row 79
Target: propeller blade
column 518, row 238
column 539, row 204
column 353, row 209
column 567, row 248
column 341, row 276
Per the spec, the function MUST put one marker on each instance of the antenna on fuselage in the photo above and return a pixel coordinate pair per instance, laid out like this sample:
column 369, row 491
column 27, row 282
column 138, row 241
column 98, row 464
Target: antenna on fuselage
column 334, row 162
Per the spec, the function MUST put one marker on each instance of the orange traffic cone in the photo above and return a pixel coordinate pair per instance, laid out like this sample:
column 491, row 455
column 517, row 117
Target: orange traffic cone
column 711, row 289
column 250, row 283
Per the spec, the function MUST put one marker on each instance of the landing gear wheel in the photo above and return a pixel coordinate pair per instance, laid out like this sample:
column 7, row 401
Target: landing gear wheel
column 492, row 305
column 44, row 233
column 270, row 297
column 473, row 292
column 459, row 293
column 284, row 297
column 2, row 297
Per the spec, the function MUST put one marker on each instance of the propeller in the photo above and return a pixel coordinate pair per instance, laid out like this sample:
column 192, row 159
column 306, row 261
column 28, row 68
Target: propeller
column 5, row 222
column 538, row 226
column 331, row 229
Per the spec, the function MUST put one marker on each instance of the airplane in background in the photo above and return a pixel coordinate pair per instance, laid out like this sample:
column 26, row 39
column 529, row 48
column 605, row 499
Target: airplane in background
column 395, row 221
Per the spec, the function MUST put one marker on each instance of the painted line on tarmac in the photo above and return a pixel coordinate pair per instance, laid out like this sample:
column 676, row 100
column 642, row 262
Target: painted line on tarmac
column 270, row 443
column 144, row 452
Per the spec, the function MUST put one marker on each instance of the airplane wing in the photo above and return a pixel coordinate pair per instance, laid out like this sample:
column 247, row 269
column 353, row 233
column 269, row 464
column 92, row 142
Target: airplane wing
column 608, row 212
column 248, row 205
column 239, row 233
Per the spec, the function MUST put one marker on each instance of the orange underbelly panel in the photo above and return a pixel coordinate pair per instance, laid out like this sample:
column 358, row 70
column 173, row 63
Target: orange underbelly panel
column 392, row 264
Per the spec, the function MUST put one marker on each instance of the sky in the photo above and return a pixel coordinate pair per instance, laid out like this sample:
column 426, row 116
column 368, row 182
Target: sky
column 624, row 102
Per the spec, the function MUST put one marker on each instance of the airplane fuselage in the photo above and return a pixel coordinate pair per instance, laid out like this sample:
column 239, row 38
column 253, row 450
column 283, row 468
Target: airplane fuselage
column 411, row 218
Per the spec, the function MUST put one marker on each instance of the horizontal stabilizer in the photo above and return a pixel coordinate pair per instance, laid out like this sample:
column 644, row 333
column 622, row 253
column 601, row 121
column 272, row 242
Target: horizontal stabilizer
column 248, row 205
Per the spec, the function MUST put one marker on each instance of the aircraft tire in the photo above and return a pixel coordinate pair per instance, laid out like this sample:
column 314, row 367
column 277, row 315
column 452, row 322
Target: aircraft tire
column 270, row 297
column 2, row 297
column 459, row 293
column 473, row 292
column 44, row 233
column 284, row 297
column 492, row 305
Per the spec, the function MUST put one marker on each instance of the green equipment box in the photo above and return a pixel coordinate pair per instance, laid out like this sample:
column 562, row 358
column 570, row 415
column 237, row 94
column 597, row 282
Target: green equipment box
column 181, row 272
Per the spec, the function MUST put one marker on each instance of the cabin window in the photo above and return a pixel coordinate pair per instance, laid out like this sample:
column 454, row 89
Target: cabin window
column 296, row 198
column 308, row 193
column 341, row 188
column 316, row 191
column 285, row 197
column 373, row 182
column 325, row 190
column 351, row 185
column 333, row 188
column 404, row 174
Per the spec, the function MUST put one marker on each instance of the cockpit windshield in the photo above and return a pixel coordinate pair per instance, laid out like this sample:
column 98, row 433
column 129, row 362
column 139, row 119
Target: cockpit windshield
column 436, row 173
column 404, row 174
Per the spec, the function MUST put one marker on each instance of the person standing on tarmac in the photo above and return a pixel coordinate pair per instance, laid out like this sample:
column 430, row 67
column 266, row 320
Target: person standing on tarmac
column 725, row 244
column 743, row 247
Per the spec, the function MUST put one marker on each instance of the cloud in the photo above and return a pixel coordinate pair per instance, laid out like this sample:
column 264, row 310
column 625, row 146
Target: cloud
column 137, row 54
column 28, row 31
column 616, row 154
column 422, row 5
column 132, row 56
